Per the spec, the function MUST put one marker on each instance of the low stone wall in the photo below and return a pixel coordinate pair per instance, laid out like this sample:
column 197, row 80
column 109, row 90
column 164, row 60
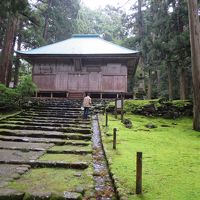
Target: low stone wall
column 158, row 108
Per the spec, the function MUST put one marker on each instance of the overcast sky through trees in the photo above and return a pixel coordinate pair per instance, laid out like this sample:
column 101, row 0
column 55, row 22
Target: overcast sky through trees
column 95, row 4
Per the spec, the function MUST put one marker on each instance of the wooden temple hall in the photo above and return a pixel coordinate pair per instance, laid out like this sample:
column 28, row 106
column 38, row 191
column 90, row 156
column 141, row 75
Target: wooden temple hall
column 83, row 63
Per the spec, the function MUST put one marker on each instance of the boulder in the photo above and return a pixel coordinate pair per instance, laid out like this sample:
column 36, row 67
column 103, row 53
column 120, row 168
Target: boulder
column 127, row 123
column 150, row 125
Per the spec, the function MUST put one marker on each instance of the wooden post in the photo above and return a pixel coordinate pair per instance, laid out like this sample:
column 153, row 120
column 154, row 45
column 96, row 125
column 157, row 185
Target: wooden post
column 122, row 109
column 116, row 108
column 104, row 109
column 114, row 138
column 51, row 95
column 139, row 173
column 106, row 119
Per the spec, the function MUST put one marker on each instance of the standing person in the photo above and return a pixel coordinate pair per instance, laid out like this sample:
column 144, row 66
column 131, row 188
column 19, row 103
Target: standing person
column 87, row 102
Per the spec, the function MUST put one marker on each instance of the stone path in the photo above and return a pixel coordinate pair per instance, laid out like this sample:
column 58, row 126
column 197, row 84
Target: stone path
column 46, row 152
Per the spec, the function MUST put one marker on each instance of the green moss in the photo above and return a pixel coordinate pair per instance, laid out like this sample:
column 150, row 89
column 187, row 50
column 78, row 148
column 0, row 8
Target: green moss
column 53, row 180
column 131, row 105
column 181, row 103
column 66, row 157
column 71, row 148
column 4, row 115
column 170, row 157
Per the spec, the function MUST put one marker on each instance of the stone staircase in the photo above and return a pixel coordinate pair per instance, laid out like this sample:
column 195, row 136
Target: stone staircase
column 51, row 134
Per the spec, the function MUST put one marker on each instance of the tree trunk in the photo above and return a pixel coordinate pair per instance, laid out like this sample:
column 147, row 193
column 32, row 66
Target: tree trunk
column 195, row 52
column 9, row 74
column 17, row 64
column 46, row 24
column 149, row 93
column 158, row 80
column 6, row 54
column 170, row 88
column 140, row 24
column 183, row 84
column 140, row 19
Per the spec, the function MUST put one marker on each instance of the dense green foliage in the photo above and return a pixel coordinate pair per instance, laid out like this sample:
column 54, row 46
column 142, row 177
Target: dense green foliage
column 12, row 98
column 9, row 98
column 169, row 170
column 159, row 29
column 157, row 107
column 106, row 22
column 161, row 32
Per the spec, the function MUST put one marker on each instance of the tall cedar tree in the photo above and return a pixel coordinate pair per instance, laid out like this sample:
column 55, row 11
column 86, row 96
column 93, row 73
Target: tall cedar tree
column 10, row 9
column 195, row 52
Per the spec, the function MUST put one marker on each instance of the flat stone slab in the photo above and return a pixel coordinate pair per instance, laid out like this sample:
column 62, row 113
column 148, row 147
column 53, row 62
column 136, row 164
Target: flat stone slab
column 50, row 119
column 38, row 133
column 10, row 172
column 44, row 128
column 32, row 139
column 25, row 145
column 9, row 155
column 49, row 124
column 48, row 164
column 45, row 134
column 52, row 115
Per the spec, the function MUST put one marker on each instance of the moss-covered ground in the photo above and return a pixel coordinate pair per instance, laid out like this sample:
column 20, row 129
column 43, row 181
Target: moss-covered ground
column 56, row 181
column 4, row 115
column 171, row 157
column 66, row 158
column 71, row 148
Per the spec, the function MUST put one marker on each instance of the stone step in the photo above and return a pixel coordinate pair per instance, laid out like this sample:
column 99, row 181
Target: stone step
column 69, row 151
column 47, row 164
column 32, row 123
column 52, row 115
column 64, row 105
column 45, row 120
column 45, row 128
column 57, row 108
column 51, row 119
column 25, row 146
column 43, row 140
column 58, row 112
column 43, row 134
column 32, row 139
column 27, row 149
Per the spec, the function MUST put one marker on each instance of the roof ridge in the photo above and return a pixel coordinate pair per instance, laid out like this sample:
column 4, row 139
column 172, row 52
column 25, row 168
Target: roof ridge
column 85, row 36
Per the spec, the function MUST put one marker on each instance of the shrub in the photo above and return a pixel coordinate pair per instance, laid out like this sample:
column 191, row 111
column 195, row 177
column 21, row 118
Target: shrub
column 9, row 98
column 12, row 98
column 27, row 88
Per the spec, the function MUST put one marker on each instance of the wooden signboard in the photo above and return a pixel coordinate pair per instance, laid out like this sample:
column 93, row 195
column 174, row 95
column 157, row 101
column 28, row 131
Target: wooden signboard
column 119, row 106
